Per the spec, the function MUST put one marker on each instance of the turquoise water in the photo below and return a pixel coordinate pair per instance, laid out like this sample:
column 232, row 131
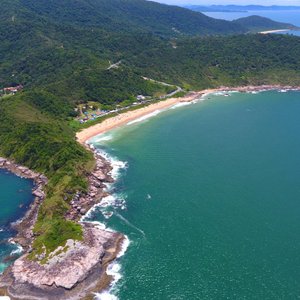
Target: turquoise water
column 212, row 196
column 288, row 16
column 15, row 197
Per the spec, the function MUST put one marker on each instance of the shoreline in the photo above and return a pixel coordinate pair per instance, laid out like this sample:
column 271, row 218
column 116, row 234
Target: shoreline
column 24, row 226
column 124, row 118
column 274, row 31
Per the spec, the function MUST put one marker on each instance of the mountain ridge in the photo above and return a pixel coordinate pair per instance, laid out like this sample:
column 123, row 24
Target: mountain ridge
column 238, row 8
column 129, row 16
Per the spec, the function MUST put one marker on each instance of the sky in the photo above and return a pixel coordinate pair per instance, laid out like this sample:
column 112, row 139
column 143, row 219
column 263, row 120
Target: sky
column 238, row 2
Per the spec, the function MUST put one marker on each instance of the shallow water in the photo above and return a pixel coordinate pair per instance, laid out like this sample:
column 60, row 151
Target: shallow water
column 15, row 198
column 212, row 200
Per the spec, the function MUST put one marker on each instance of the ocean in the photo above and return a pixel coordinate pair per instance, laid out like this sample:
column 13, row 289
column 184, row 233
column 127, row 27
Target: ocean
column 285, row 16
column 209, row 197
column 15, row 196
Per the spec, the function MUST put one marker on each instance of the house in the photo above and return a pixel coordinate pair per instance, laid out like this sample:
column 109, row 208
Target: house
column 140, row 97
column 13, row 89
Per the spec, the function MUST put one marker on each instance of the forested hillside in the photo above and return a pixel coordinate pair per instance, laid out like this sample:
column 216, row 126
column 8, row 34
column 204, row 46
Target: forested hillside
column 258, row 23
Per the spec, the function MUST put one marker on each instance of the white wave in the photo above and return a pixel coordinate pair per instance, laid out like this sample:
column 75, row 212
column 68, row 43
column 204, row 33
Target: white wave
column 1, row 230
column 102, row 138
column 18, row 250
column 124, row 247
column 220, row 93
column 254, row 92
column 89, row 214
column 84, row 219
column 180, row 104
column 115, row 201
column 114, row 270
column 112, row 200
column 146, row 117
column 107, row 201
column 117, row 165
column 105, row 296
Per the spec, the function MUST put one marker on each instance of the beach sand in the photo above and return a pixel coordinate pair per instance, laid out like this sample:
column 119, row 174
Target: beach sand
column 124, row 118
column 274, row 31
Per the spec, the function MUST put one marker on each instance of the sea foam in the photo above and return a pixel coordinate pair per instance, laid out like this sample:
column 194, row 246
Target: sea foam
column 146, row 117
column 114, row 200
column 117, row 165
column 180, row 104
column 102, row 138
column 114, row 270
column 18, row 250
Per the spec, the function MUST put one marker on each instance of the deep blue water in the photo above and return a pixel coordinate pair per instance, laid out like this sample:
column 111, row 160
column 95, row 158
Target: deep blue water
column 15, row 198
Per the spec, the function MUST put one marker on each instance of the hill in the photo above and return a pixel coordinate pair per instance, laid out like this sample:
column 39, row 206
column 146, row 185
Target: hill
column 126, row 16
column 238, row 8
column 257, row 23
column 59, row 43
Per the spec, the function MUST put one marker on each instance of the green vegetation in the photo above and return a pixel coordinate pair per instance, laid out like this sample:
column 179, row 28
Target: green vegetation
column 61, row 52
column 236, row 60
column 257, row 23
column 35, row 138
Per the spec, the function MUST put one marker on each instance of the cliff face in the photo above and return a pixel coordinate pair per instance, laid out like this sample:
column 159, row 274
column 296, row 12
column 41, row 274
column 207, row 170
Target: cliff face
column 72, row 272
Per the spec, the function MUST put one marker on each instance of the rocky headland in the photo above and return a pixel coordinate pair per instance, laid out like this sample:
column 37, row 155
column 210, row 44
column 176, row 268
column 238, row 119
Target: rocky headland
column 72, row 272
column 75, row 270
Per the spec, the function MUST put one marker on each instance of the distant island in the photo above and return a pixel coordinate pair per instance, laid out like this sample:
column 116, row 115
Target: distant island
column 238, row 8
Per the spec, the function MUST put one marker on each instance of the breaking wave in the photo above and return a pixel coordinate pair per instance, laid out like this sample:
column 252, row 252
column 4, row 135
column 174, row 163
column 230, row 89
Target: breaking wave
column 146, row 117
column 180, row 104
column 114, row 270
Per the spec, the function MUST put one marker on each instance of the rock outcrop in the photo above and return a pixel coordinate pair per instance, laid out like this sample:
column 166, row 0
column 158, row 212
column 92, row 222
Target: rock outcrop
column 72, row 271
column 83, row 202
column 78, row 268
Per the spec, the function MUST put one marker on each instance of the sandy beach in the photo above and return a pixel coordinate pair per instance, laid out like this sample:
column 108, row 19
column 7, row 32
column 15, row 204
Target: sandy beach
column 274, row 31
column 123, row 118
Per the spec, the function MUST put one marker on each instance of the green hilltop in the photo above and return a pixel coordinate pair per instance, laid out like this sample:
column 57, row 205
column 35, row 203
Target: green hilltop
column 61, row 52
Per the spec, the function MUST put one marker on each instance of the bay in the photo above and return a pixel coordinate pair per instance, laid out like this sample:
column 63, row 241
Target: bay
column 212, row 200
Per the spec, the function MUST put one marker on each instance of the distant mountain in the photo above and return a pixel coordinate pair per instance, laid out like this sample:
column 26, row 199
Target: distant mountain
column 238, row 8
column 127, row 16
column 123, row 16
column 47, row 41
column 257, row 23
